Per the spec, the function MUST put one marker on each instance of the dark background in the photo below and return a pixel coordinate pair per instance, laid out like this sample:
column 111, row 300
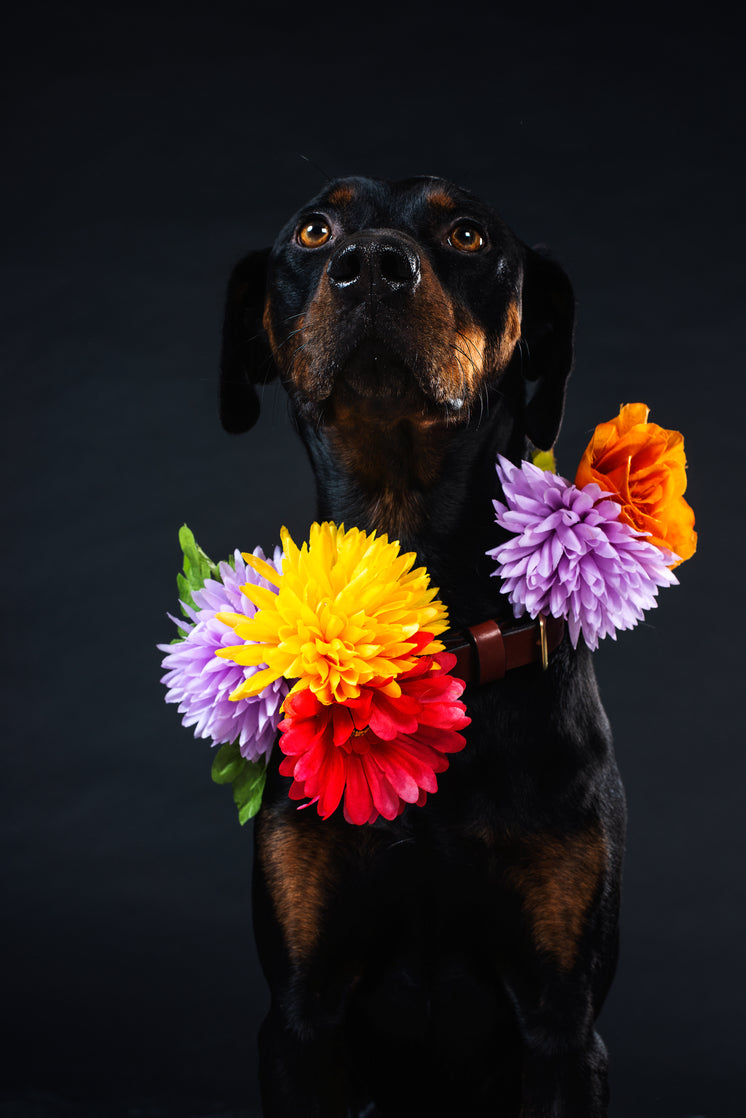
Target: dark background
column 146, row 147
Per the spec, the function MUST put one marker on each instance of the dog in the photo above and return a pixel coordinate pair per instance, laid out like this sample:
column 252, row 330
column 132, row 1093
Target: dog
column 453, row 961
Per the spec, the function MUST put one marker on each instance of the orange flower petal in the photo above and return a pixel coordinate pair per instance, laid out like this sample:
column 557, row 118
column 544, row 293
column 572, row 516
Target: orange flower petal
column 644, row 466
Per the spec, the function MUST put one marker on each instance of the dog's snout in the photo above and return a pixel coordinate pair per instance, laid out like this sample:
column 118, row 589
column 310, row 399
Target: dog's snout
column 374, row 265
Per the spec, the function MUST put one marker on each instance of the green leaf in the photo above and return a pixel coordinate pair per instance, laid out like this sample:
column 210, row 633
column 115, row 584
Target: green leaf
column 197, row 567
column 228, row 764
column 247, row 777
column 248, row 791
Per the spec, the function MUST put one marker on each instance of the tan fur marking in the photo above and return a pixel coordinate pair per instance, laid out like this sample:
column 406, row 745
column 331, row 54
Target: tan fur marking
column 341, row 195
column 313, row 343
column 440, row 198
column 468, row 366
column 298, row 873
column 501, row 348
column 392, row 463
column 288, row 355
column 557, row 878
column 512, row 331
column 267, row 323
column 396, row 512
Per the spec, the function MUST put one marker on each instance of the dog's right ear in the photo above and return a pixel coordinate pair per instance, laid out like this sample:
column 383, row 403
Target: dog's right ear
column 246, row 359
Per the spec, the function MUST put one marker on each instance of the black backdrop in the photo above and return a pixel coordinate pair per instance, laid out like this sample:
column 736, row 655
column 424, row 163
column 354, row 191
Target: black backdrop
column 146, row 148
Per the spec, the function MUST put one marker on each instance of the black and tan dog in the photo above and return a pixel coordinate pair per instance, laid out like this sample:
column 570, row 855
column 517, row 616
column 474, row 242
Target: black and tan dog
column 454, row 961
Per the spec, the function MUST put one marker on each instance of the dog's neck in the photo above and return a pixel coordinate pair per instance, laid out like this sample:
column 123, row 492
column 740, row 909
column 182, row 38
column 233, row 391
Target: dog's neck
column 390, row 467
column 428, row 486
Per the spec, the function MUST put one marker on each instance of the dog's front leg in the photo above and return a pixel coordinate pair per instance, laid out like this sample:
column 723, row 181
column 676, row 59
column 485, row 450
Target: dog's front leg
column 560, row 972
column 304, row 955
column 564, row 1072
column 300, row 1067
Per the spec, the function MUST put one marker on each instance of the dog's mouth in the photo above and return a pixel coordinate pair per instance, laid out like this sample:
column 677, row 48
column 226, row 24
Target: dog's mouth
column 376, row 382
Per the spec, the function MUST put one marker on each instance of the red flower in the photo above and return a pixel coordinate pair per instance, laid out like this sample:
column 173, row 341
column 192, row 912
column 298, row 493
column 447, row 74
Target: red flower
column 379, row 751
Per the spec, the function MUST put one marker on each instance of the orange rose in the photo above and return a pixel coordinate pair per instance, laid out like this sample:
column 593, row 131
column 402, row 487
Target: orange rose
column 644, row 465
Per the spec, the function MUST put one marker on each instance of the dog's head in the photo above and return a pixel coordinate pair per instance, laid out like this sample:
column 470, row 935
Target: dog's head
column 397, row 302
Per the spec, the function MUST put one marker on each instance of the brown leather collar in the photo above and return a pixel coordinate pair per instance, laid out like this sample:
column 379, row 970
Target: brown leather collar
column 485, row 652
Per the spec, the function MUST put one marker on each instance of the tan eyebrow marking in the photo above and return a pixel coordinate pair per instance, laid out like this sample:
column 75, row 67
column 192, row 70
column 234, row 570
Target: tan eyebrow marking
column 341, row 195
column 442, row 199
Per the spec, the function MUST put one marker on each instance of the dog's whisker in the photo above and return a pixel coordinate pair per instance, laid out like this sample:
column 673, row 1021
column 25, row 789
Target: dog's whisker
column 468, row 356
column 293, row 333
column 313, row 164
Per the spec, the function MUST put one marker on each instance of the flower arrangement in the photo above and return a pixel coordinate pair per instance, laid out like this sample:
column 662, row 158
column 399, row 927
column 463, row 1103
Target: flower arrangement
column 330, row 651
column 596, row 552
column 335, row 645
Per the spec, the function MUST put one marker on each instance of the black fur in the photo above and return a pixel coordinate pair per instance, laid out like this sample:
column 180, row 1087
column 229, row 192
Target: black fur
column 459, row 955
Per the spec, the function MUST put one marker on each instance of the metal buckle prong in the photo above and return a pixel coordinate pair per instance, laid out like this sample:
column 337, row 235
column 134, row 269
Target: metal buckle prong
column 543, row 642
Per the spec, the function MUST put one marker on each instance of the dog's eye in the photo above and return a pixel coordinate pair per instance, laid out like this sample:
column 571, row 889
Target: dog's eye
column 314, row 232
column 466, row 238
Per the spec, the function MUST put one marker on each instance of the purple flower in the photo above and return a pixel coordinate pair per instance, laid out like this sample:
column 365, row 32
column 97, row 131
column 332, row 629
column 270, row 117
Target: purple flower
column 200, row 682
column 571, row 557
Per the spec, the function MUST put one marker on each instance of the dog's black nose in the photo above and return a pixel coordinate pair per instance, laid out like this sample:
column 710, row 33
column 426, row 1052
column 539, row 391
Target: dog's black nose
column 375, row 264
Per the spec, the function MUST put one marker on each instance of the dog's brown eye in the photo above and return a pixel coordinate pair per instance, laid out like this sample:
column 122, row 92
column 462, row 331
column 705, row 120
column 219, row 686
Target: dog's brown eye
column 314, row 233
column 466, row 238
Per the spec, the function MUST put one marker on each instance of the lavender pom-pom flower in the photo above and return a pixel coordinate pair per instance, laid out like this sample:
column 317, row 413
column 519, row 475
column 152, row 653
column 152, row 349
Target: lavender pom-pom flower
column 201, row 682
column 571, row 557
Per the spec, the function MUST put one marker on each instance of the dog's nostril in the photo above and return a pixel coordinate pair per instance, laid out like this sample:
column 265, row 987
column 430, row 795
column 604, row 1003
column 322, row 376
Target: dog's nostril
column 398, row 268
column 345, row 266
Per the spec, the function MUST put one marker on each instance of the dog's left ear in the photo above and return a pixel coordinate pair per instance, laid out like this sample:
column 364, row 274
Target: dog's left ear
column 547, row 326
column 245, row 359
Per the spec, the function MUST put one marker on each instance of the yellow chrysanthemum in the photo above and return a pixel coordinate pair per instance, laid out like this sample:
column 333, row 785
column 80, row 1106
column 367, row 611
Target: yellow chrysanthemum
column 345, row 611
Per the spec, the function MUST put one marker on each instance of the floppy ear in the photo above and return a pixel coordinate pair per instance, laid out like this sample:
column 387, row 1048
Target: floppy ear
column 547, row 328
column 245, row 359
